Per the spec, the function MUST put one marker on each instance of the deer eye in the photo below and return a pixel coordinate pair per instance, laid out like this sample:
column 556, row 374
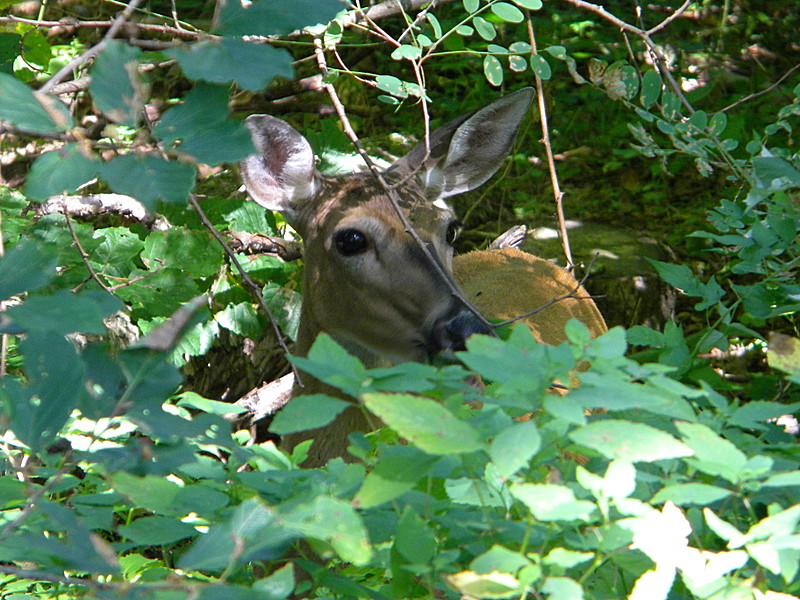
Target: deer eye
column 350, row 241
column 453, row 229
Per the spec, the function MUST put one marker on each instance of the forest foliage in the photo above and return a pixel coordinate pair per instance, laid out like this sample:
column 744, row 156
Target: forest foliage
column 664, row 474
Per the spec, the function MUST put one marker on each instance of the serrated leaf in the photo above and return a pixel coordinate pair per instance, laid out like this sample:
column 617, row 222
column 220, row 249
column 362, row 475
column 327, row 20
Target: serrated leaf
column 156, row 531
column 200, row 128
column 117, row 87
column 265, row 18
column 231, row 60
column 712, row 453
column 487, row 585
column 60, row 171
column 562, row 588
column 398, row 471
column 499, row 559
column 148, row 178
column 25, row 109
column 424, row 423
column 413, row 539
column 514, row 447
column 307, row 412
column 690, row 494
column 26, row 267
column 629, row 441
column 64, row 312
column 552, row 502
column 566, row 559
column 334, row 521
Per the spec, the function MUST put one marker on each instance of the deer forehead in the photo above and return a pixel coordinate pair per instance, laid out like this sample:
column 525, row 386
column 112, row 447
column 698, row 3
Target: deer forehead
column 358, row 202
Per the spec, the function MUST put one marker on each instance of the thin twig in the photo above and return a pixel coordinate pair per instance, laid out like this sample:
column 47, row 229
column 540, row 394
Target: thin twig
column 571, row 294
column 763, row 92
column 551, row 163
column 249, row 283
column 64, row 71
column 85, row 256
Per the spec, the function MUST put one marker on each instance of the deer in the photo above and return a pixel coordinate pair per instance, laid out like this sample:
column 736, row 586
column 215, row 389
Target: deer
column 388, row 296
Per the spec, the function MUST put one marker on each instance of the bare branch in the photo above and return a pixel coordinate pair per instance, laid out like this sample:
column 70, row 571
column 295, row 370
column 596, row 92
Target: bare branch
column 102, row 204
column 551, row 163
column 76, row 62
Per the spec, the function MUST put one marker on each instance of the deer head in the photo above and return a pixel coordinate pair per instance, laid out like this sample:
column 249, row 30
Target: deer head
column 368, row 283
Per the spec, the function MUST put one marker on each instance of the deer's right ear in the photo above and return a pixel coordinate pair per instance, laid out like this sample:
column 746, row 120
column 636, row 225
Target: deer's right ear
column 282, row 175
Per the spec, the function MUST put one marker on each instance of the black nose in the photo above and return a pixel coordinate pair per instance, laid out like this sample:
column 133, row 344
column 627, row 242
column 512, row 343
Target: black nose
column 460, row 327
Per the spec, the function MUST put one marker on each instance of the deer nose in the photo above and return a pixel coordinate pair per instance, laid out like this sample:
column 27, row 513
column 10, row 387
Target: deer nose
column 460, row 327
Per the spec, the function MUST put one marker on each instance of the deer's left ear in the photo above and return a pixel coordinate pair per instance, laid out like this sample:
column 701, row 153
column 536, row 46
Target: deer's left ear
column 465, row 152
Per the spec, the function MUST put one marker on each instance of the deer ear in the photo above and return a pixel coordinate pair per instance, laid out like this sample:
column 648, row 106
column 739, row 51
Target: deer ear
column 467, row 151
column 283, row 174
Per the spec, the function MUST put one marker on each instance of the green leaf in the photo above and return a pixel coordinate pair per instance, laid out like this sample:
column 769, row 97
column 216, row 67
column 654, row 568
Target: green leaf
column 485, row 29
column 177, row 244
column 278, row 585
column 471, row 5
column 399, row 470
column 563, row 588
column 265, row 18
column 200, row 128
column 487, row 586
column 64, row 312
column 406, row 51
column 60, row 171
column 529, row 4
column 250, row 531
column 507, row 12
column 334, row 521
column 214, row 407
column 39, row 411
column 651, row 88
column 514, row 447
column 332, row 364
column 690, row 494
column 629, row 441
column 712, row 454
column 117, row 87
column 681, row 277
column 148, row 178
column 540, row 66
column 552, row 502
column 12, row 491
column 231, row 60
column 392, row 85
column 26, row 267
column 493, row 70
column 566, row 559
column 35, row 112
column 307, row 412
column 424, row 423
column 156, row 531
column 500, row 559
column 621, row 81
column 618, row 482
column 718, row 123
column 413, row 539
